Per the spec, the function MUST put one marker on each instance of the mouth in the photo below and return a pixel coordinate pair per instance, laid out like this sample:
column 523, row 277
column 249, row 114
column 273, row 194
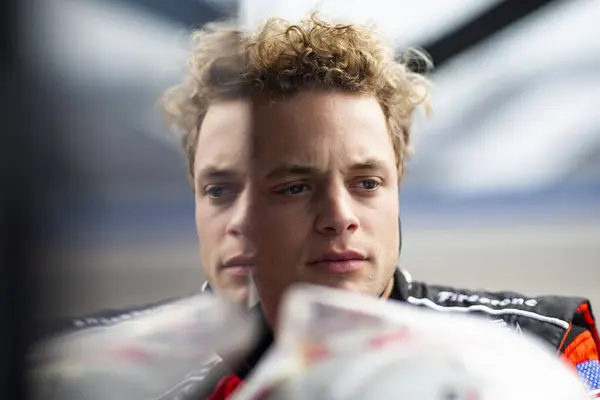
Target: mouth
column 339, row 262
column 238, row 266
column 240, row 270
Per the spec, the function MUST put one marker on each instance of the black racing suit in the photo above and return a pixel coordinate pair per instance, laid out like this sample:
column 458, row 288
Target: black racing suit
column 565, row 323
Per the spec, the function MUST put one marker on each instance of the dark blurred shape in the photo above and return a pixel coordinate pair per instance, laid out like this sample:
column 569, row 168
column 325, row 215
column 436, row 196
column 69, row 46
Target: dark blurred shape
column 33, row 172
column 479, row 29
column 16, row 219
column 190, row 13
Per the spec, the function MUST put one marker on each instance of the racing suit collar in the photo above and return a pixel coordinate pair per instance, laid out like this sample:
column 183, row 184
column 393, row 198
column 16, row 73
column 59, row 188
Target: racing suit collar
column 206, row 288
column 401, row 286
column 241, row 369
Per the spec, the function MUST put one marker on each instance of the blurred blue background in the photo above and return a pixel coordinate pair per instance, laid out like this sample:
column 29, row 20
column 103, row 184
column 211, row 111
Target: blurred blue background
column 503, row 190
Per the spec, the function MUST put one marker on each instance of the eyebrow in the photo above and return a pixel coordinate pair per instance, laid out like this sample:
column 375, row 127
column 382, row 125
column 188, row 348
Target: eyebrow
column 291, row 169
column 212, row 172
column 369, row 165
column 297, row 169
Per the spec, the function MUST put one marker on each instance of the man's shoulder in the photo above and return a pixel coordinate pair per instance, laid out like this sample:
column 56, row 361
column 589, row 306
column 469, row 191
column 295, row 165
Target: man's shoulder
column 567, row 323
column 549, row 317
column 106, row 316
column 552, row 309
column 185, row 386
column 100, row 318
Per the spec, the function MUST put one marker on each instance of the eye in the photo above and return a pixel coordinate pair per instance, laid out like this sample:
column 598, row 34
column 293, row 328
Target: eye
column 368, row 184
column 294, row 190
column 216, row 192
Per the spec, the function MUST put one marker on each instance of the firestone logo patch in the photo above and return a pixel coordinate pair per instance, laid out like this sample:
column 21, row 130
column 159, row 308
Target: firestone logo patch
column 462, row 298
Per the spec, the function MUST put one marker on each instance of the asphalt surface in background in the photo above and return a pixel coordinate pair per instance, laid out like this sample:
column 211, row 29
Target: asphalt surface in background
column 532, row 259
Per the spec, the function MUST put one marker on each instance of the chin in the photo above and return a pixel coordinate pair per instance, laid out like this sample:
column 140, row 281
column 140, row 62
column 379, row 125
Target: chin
column 238, row 295
column 338, row 282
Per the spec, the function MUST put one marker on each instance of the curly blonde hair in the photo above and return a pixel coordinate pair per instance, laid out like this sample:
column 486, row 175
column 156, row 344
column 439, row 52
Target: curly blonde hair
column 281, row 59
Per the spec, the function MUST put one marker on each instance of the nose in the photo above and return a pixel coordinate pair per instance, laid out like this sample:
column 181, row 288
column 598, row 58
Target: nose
column 239, row 223
column 239, row 217
column 336, row 214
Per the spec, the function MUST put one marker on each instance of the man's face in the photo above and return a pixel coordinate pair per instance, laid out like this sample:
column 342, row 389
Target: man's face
column 324, row 198
column 220, row 173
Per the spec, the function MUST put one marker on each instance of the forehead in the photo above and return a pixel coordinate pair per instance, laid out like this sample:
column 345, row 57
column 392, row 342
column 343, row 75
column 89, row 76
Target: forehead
column 319, row 126
column 224, row 139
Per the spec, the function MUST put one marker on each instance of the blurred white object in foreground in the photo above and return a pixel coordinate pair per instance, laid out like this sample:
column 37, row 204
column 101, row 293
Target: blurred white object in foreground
column 339, row 345
column 142, row 357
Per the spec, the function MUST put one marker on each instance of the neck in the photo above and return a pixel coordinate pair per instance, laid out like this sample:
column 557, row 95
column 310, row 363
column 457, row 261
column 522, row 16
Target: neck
column 388, row 289
column 271, row 317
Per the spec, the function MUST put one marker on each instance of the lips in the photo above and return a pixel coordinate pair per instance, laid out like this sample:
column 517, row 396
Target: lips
column 239, row 265
column 339, row 262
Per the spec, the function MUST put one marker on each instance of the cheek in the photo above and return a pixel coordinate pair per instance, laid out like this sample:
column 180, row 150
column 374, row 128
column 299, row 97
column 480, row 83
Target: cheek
column 280, row 241
column 381, row 219
column 279, row 224
column 210, row 228
column 200, row 217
